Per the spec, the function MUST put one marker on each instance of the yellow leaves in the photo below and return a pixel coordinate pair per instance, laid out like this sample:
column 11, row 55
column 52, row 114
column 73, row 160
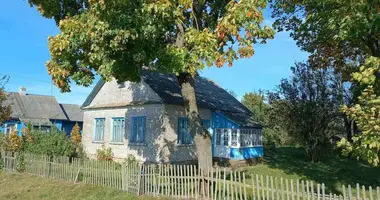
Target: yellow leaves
column 15, row 142
column 75, row 134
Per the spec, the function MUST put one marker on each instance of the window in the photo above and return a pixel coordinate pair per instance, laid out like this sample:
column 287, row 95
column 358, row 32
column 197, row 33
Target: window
column 138, row 130
column 234, row 137
column 183, row 132
column 8, row 128
column 99, row 129
column 117, row 129
column 218, row 137
column 225, row 137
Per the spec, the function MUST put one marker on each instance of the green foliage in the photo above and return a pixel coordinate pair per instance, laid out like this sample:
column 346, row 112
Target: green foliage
column 307, row 106
column 130, row 160
column 53, row 143
column 116, row 38
column 336, row 33
column 20, row 162
column 273, row 134
column 104, row 154
column 366, row 113
column 345, row 35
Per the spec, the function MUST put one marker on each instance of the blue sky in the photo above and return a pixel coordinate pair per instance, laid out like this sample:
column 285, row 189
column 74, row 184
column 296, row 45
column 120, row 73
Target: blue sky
column 24, row 52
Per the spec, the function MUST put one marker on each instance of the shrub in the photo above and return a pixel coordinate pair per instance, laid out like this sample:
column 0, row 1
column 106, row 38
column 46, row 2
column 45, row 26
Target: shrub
column 104, row 154
column 54, row 143
column 27, row 133
column 75, row 134
column 20, row 162
column 130, row 160
column 15, row 142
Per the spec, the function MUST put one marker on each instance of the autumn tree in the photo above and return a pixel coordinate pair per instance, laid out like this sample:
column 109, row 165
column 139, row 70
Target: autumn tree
column 116, row 38
column 75, row 134
column 15, row 142
column 342, row 34
column 5, row 109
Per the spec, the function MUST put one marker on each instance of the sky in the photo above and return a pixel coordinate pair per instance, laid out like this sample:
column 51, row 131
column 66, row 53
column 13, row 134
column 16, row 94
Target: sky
column 24, row 52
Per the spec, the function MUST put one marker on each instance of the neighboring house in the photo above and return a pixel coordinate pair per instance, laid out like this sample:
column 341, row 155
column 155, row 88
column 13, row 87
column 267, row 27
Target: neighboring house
column 148, row 120
column 41, row 111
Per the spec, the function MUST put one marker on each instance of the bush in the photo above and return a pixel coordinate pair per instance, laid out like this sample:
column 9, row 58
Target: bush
column 14, row 142
column 20, row 162
column 54, row 143
column 75, row 134
column 104, row 154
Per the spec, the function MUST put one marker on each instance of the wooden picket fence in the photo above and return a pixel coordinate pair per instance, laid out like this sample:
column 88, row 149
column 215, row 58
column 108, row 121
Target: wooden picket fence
column 180, row 181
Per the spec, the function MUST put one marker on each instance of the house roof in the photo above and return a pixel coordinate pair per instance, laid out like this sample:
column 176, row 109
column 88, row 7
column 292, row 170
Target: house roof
column 73, row 112
column 208, row 94
column 37, row 109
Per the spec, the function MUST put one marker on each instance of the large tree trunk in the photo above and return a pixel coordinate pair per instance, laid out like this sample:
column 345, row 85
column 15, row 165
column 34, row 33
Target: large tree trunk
column 200, row 135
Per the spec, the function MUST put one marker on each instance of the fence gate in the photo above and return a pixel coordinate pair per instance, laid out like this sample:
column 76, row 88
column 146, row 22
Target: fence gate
column 132, row 178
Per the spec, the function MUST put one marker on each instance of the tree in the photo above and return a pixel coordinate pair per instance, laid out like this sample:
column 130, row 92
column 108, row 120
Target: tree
column 15, row 142
column 308, row 108
column 116, row 38
column 5, row 109
column 342, row 34
column 75, row 134
column 273, row 134
column 366, row 113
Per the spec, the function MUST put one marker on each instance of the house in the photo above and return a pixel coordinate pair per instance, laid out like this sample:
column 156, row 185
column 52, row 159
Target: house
column 41, row 111
column 147, row 120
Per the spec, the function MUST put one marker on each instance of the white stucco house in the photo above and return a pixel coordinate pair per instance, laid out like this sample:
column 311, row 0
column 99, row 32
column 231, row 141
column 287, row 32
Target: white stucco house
column 147, row 120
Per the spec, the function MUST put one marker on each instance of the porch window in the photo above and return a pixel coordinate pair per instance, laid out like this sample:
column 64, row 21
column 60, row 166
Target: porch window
column 99, row 129
column 118, row 129
column 138, row 129
column 183, row 131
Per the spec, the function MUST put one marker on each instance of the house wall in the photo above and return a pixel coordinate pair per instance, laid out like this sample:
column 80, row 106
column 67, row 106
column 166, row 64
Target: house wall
column 18, row 124
column 131, row 92
column 172, row 151
column 161, row 144
column 148, row 152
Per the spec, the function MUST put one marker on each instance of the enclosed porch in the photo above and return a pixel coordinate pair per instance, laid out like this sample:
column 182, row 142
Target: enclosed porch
column 237, row 143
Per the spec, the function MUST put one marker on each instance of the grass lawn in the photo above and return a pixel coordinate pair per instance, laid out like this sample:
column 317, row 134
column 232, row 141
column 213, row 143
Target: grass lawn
column 22, row 186
column 292, row 163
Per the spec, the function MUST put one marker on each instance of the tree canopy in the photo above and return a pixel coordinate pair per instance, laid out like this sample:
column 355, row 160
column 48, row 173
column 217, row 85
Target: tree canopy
column 116, row 38
column 345, row 35
column 308, row 107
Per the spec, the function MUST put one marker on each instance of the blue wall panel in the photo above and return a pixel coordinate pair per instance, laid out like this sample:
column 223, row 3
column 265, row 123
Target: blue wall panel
column 246, row 153
column 221, row 121
column 68, row 127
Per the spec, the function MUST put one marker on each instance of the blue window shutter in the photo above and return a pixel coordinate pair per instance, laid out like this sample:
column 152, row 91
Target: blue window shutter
column 186, row 130
column 180, row 134
column 132, row 129
column 143, row 127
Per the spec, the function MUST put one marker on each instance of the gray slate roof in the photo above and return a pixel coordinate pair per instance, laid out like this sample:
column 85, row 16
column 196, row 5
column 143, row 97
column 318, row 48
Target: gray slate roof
column 36, row 109
column 208, row 94
column 73, row 112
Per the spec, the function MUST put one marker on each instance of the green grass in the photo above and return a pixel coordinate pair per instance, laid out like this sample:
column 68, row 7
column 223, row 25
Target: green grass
column 22, row 186
column 292, row 163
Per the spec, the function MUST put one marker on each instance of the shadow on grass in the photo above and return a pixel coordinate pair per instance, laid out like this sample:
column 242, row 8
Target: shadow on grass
column 333, row 172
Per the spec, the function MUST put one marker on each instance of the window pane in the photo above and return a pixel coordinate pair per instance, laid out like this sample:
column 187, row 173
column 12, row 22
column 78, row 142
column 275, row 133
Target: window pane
column 138, row 129
column 234, row 139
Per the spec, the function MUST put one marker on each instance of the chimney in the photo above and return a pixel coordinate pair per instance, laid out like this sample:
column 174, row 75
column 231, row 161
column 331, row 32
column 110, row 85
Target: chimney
column 22, row 91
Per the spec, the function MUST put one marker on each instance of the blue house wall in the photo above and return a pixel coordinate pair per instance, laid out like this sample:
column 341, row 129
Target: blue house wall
column 67, row 126
column 20, row 125
column 236, row 153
